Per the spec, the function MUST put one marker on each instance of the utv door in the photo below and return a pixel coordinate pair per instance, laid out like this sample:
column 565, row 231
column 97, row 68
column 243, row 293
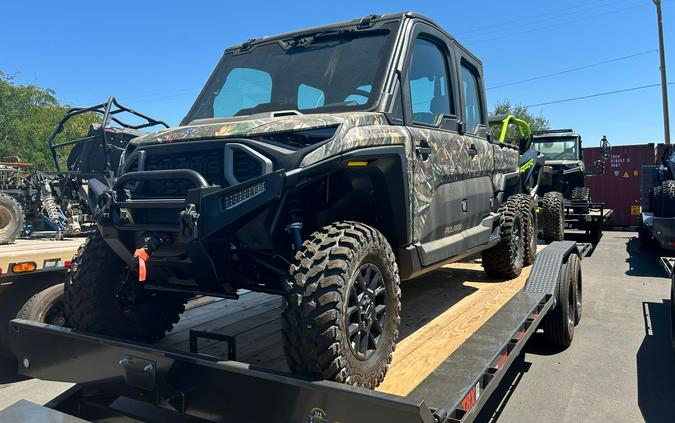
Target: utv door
column 440, row 214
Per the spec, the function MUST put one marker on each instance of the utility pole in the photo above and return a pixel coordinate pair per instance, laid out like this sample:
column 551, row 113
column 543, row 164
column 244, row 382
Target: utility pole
column 664, row 82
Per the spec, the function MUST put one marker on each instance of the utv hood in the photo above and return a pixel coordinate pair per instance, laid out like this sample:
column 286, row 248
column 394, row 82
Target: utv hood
column 240, row 127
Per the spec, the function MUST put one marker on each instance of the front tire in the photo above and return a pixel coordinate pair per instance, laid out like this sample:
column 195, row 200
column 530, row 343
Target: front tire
column 554, row 217
column 342, row 308
column 11, row 219
column 95, row 301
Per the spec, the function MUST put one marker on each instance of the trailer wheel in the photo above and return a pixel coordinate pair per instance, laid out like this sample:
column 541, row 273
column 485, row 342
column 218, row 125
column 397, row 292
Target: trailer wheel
column 558, row 324
column 45, row 307
column 11, row 219
column 667, row 202
column 96, row 301
column 528, row 213
column 554, row 217
column 581, row 194
column 672, row 312
column 505, row 260
column 342, row 307
column 576, row 281
column 647, row 241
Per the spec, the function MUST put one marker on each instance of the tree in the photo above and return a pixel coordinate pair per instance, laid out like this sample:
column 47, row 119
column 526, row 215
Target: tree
column 536, row 123
column 28, row 115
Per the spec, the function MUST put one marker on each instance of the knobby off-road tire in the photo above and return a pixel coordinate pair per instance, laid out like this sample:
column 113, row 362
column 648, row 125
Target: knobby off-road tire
column 11, row 219
column 505, row 260
column 554, row 217
column 45, row 307
column 344, row 289
column 667, row 202
column 559, row 323
column 655, row 200
column 528, row 213
column 95, row 302
column 581, row 194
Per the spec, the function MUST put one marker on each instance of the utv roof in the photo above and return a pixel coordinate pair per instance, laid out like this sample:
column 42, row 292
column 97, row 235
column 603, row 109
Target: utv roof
column 366, row 20
column 555, row 133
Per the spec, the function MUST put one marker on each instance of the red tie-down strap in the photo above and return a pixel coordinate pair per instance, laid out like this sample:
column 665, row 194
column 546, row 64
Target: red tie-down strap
column 142, row 257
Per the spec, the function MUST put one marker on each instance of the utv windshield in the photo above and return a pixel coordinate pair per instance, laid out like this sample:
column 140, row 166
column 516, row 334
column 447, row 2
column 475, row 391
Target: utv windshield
column 336, row 70
column 557, row 148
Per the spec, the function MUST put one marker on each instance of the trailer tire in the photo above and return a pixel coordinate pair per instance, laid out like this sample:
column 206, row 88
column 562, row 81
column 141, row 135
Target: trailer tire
column 94, row 301
column 528, row 212
column 667, row 201
column 326, row 296
column 554, row 217
column 45, row 307
column 580, row 194
column 647, row 240
column 576, row 280
column 505, row 260
column 558, row 324
column 11, row 219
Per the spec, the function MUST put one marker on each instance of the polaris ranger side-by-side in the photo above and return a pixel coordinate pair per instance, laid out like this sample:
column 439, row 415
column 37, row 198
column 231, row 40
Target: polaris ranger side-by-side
column 324, row 165
column 565, row 200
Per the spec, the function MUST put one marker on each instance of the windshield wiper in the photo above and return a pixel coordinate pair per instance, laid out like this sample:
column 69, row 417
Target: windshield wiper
column 308, row 38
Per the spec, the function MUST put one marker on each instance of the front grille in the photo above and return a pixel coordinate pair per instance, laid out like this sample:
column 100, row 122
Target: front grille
column 208, row 163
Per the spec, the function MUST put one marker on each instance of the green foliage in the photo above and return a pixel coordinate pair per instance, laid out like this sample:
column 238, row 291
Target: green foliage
column 28, row 115
column 536, row 123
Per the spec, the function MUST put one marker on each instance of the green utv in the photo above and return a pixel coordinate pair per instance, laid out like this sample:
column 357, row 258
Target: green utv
column 324, row 165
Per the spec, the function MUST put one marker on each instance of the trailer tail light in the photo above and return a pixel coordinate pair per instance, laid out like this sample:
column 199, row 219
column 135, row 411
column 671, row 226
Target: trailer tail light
column 67, row 264
column 24, row 267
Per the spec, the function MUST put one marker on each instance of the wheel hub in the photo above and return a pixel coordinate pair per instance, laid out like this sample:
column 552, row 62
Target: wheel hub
column 5, row 217
column 366, row 311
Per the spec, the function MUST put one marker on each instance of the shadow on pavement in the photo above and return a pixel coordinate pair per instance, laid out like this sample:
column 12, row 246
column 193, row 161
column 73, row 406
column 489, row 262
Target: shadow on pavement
column 656, row 365
column 642, row 263
column 494, row 407
column 8, row 373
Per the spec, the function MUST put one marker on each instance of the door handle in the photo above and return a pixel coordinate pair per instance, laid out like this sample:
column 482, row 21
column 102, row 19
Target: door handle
column 473, row 151
column 423, row 149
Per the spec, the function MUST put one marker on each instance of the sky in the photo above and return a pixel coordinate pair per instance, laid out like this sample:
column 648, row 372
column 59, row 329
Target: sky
column 155, row 56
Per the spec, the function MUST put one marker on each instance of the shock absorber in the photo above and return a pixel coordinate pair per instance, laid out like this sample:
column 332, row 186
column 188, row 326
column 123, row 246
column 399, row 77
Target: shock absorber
column 294, row 226
column 51, row 207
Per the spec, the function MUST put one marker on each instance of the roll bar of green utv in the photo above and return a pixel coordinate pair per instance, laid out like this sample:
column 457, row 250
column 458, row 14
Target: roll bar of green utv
column 523, row 127
column 108, row 111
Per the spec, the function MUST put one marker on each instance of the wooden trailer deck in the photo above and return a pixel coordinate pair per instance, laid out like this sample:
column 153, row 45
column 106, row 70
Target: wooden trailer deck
column 439, row 312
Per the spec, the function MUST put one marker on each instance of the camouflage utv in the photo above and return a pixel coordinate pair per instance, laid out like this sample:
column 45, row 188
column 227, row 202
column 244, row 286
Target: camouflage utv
column 324, row 165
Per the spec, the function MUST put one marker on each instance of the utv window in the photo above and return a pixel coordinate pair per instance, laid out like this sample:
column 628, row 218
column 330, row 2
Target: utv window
column 428, row 78
column 472, row 105
column 557, row 148
column 243, row 88
column 316, row 73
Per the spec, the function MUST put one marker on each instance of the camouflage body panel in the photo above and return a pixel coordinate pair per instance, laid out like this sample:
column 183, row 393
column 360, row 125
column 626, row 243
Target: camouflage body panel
column 450, row 161
column 505, row 161
column 240, row 128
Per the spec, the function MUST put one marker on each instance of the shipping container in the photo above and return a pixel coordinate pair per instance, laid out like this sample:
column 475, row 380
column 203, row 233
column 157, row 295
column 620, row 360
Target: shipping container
column 619, row 186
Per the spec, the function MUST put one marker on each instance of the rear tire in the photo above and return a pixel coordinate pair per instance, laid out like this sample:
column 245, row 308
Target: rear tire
column 45, row 307
column 95, row 301
column 344, row 289
column 576, row 281
column 554, row 217
column 558, row 324
column 11, row 219
column 505, row 260
column 667, row 202
column 581, row 194
column 528, row 213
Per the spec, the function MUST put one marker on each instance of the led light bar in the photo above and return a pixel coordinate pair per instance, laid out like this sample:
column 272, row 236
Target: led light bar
column 244, row 194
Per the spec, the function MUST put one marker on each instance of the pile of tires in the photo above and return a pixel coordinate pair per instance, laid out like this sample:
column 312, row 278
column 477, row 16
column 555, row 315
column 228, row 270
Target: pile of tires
column 662, row 204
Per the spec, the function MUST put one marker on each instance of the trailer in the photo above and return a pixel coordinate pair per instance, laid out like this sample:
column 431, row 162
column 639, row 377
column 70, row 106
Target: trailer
column 29, row 270
column 668, row 264
column 453, row 354
column 587, row 216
